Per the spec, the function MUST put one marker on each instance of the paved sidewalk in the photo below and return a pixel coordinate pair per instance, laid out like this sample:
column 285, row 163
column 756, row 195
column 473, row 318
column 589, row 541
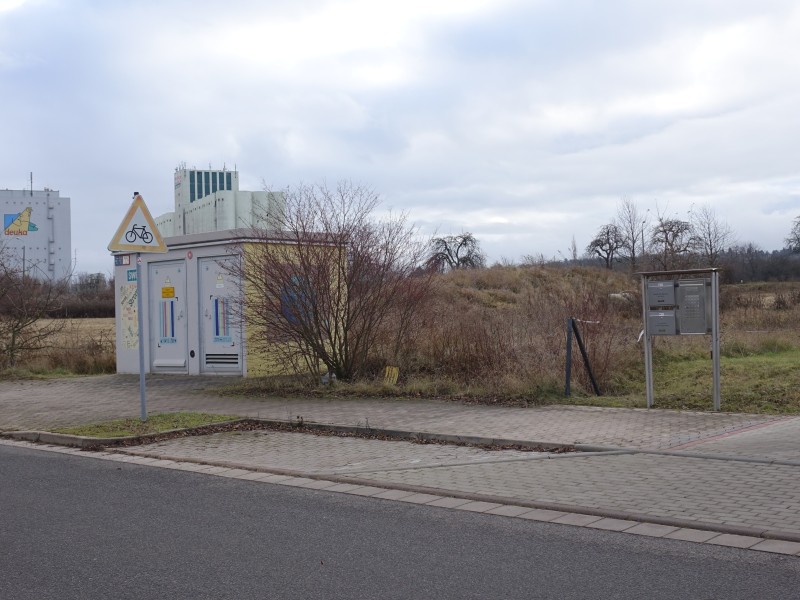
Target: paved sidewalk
column 738, row 474
column 43, row 404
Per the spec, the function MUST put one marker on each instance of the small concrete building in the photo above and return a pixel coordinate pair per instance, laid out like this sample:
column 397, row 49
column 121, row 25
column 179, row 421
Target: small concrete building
column 36, row 232
column 191, row 297
column 191, row 307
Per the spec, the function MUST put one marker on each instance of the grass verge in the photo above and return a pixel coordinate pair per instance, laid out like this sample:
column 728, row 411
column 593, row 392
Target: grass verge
column 761, row 383
column 158, row 423
column 768, row 382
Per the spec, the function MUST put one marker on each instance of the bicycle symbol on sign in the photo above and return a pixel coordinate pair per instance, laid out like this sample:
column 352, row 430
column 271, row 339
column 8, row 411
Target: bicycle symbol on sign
column 138, row 231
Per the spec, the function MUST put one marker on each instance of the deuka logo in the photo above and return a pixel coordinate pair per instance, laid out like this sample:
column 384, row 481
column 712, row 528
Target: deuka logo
column 19, row 224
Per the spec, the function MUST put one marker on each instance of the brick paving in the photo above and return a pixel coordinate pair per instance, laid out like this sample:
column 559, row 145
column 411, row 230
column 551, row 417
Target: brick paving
column 705, row 492
column 318, row 455
column 43, row 404
column 726, row 490
column 777, row 440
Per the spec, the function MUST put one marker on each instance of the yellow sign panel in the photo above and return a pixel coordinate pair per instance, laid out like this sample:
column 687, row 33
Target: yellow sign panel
column 138, row 231
column 167, row 292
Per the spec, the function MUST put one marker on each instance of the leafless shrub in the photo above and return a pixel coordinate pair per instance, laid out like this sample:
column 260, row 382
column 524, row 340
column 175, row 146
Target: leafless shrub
column 24, row 302
column 335, row 287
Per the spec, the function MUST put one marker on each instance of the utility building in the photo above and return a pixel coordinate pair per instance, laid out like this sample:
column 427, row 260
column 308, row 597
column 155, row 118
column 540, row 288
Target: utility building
column 36, row 233
column 192, row 308
column 192, row 299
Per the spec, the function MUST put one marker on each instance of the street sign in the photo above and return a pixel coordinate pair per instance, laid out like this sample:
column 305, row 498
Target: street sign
column 138, row 231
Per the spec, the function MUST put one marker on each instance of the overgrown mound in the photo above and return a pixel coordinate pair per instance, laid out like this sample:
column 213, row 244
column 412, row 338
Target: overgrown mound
column 504, row 329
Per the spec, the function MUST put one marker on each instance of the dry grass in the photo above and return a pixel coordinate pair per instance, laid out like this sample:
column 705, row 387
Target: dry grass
column 81, row 347
column 506, row 326
column 499, row 335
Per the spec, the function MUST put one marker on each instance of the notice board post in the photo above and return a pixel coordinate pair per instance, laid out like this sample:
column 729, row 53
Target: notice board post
column 681, row 303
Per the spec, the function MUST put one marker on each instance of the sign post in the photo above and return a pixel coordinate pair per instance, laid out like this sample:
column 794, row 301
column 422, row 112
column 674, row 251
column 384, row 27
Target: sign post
column 138, row 233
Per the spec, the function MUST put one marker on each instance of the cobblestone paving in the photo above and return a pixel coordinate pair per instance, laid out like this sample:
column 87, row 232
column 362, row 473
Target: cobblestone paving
column 707, row 492
column 314, row 455
column 778, row 440
column 43, row 404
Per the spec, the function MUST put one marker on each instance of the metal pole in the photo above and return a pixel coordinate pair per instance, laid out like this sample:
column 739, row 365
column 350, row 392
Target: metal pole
column 585, row 356
column 648, row 353
column 569, row 358
column 715, row 335
column 140, row 316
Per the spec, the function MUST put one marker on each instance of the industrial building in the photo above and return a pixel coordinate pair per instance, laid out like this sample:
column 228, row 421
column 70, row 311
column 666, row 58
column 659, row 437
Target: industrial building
column 36, row 233
column 210, row 200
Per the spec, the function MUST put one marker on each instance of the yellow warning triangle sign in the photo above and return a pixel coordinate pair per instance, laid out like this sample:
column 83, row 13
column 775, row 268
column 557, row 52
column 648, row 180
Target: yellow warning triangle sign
column 138, row 231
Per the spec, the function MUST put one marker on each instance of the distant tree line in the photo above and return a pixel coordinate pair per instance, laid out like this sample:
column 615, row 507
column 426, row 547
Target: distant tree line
column 87, row 295
column 639, row 240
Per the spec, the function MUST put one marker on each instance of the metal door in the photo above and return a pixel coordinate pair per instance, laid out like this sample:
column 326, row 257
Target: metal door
column 168, row 331
column 220, row 328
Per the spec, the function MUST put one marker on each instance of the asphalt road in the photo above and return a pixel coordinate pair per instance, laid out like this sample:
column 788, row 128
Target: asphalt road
column 74, row 527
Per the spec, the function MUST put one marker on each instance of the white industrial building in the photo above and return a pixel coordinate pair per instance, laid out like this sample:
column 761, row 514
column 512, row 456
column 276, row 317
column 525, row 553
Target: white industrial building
column 210, row 200
column 36, row 233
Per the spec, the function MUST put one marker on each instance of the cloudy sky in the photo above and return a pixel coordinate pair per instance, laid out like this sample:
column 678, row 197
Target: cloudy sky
column 523, row 122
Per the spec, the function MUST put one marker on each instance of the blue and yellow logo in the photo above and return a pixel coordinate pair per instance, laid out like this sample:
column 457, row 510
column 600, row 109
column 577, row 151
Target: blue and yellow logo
column 19, row 224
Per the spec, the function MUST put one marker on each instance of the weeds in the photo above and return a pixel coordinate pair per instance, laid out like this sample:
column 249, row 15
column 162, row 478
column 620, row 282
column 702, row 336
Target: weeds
column 498, row 335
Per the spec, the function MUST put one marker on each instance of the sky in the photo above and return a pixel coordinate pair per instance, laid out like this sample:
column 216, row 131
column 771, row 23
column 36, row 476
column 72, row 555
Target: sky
column 522, row 122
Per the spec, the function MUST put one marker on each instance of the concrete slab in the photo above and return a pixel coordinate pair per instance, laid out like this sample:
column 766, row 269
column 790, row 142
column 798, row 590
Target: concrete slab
column 778, row 547
column 420, row 498
column 449, row 502
column 538, row 514
column 612, row 524
column 509, row 510
column 393, row 494
column 577, row 519
column 734, row 541
column 479, row 506
column 651, row 529
column 692, row 535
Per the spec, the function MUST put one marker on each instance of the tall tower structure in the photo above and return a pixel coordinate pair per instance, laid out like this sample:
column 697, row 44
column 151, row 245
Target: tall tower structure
column 192, row 185
column 210, row 200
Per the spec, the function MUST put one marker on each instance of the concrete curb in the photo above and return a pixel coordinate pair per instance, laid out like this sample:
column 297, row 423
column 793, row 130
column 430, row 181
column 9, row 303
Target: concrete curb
column 683, row 454
column 63, row 439
column 769, row 534
column 45, row 437
column 79, row 441
column 421, row 436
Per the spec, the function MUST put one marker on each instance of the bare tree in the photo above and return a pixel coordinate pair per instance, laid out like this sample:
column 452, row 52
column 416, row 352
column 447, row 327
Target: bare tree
column 25, row 302
column 335, row 287
column 631, row 224
column 606, row 244
column 711, row 235
column 793, row 239
column 672, row 241
column 461, row 251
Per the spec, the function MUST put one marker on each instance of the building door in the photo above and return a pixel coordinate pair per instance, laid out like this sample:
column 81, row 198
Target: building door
column 220, row 326
column 168, row 331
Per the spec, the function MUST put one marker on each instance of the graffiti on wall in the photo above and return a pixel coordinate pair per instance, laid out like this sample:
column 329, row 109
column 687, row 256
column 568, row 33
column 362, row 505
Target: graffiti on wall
column 129, row 320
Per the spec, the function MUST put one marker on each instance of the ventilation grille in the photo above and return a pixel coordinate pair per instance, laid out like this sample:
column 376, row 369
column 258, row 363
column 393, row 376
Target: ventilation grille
column 231, row 360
